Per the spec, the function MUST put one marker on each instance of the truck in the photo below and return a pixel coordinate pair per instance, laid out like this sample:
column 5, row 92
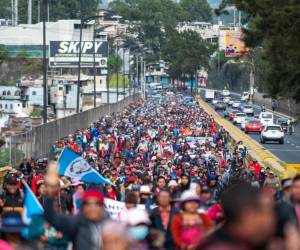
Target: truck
column 209, row 95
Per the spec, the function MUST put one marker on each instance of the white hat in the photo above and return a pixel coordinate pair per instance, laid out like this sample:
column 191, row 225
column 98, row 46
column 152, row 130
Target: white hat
column 189, row 195
column 136, row 216
column 145, row 189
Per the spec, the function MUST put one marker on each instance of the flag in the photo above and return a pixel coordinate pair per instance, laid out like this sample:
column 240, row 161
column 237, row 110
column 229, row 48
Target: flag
column 32, row 206
column 72, row 165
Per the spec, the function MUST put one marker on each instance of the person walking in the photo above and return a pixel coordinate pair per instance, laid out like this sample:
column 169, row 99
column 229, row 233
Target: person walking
column 189, row 227
column 162, row 216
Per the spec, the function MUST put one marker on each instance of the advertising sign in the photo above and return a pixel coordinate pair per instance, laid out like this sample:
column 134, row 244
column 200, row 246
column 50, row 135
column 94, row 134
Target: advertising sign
column 65, row 54
column 235, row 45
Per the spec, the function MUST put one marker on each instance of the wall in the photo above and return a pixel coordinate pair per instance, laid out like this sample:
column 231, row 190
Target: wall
column 286, row 106
column 38, row 141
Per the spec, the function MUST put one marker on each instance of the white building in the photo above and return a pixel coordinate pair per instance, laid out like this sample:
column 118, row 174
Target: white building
column 12, row 107
column 32, row 34
column 35, row 96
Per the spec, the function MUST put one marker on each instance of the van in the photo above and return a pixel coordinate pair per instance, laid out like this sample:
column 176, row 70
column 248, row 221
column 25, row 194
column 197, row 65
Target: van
column 266, row 118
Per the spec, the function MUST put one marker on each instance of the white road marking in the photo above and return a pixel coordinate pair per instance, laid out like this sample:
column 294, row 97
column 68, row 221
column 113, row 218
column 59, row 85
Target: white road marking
column 284, row 150
column 288, row 141
column 293, row 144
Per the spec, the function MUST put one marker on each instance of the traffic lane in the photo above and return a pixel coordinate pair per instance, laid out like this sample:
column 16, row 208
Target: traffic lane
column 294, row 139
column 285, row 152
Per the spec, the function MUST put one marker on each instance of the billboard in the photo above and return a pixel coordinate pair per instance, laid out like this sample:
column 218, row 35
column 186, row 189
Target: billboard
column 65, row 54
column 234, row 43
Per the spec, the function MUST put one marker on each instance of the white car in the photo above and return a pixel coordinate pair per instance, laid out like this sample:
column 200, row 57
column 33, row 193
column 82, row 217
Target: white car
column 248, row 109
column 225, row 92
column 245, row 96
column 244, row 122
column 226, row 99
column 239, row 118
column 231, row 101
column 236, row 104
column 214, row 101
column 272, row 133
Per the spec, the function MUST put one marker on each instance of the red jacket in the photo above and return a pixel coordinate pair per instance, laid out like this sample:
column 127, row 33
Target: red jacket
column 176, row 228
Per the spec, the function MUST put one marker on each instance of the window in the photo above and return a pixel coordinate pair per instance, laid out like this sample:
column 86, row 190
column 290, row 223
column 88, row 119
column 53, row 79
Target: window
column 6, row 106
column 100, row 81
column 4, row 92
column 8, row 92
column 60, row 88
column 18, row 104
column 17, row 93
column 33, row 93
column 0, row 106
column 11, row 106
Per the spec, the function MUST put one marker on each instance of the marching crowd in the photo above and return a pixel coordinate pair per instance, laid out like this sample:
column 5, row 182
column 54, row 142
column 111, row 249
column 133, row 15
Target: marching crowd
column 182, row 184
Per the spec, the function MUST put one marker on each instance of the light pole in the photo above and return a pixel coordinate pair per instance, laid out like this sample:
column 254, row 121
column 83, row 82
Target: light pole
column 82, row 22
column 124, row 89
column 45, row 95
column 117, row 69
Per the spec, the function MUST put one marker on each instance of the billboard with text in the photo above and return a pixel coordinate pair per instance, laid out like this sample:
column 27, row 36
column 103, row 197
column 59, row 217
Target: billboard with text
column 65, row 54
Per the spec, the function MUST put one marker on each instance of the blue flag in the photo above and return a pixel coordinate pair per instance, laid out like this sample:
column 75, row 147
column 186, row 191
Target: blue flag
column 72, row 165
column 32, row 206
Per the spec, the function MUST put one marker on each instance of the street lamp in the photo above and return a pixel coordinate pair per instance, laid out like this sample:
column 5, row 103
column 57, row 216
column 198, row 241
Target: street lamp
column 45, row 95
column 82, row 22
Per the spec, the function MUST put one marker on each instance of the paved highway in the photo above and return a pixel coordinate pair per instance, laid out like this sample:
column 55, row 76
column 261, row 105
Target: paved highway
column 289, row 151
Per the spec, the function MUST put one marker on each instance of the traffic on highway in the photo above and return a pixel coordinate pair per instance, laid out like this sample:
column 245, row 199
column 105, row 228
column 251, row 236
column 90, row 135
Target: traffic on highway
column 277, row 132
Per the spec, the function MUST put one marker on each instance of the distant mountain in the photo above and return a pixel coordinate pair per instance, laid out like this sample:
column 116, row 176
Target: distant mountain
column 214, row 3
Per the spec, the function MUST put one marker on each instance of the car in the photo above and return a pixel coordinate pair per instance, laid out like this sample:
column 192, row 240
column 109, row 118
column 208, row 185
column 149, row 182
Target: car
column 232, row 114
column 215, row 100
column 236, row 104
column 283, row 122
column 225, row 92
column 253, row 125
column 243, row 123
column 245, row 96
column 266, row 118
column 231, row 101
column 220, row 105
column 227, row 112
column 226, row 99
column 248, row 109
column 272, row 133
column 239, row 118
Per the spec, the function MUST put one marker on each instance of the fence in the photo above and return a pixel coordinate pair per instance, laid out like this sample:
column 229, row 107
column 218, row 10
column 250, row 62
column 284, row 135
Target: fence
column 39, row 140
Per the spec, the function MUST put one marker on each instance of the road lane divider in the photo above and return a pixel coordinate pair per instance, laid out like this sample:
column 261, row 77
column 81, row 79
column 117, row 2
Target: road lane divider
column 255, row 150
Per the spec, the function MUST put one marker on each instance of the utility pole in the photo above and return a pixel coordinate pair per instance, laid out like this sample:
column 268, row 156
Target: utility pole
column 94, row 64
column 39, row 11
column 79, row 59
column 45, row 92
column 117, row 54
column 29, row 20
column 12, row 12
column 124, row 89
column 16, row 13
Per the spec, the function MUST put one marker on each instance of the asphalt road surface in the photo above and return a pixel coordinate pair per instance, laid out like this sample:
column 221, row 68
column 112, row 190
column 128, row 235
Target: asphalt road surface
column 289, row 151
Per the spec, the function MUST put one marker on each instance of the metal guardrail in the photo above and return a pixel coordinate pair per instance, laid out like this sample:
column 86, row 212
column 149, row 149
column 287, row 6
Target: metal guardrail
column 256, row 151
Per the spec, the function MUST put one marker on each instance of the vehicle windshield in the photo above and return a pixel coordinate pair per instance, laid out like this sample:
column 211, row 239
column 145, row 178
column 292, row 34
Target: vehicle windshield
column 276, row 128
column 267, row 116
column 248, row 107
column 241, row 115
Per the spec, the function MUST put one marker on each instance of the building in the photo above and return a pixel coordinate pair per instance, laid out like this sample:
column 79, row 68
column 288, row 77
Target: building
column 157, row 73
column 31, row 34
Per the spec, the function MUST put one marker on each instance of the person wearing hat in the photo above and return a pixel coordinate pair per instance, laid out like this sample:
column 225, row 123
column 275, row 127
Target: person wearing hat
column 190, row 226
column 146, row 196
column 11, row 227
column 12, row 198
column 83, row 228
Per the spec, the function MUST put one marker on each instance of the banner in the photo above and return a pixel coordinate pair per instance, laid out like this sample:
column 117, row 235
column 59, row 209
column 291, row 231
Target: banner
column 65, row 54
column 234, row 43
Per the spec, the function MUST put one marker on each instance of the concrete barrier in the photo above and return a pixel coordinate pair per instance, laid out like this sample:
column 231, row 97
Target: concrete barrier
column 38, row 141
column 256, row 150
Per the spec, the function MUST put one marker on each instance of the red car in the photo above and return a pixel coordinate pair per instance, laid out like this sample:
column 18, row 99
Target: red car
column 253, row 125
column 232, row 114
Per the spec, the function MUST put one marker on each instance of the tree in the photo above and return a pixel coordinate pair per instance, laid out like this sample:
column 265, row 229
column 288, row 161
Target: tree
column 275, row 27
column 58, row 9
column 196, row 10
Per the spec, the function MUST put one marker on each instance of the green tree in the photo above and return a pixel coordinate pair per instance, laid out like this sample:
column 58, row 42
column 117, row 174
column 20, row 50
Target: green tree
column 196, row 10
column 274, row 25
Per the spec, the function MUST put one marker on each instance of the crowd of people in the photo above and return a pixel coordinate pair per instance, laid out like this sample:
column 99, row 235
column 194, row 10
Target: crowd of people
column 183, row 186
